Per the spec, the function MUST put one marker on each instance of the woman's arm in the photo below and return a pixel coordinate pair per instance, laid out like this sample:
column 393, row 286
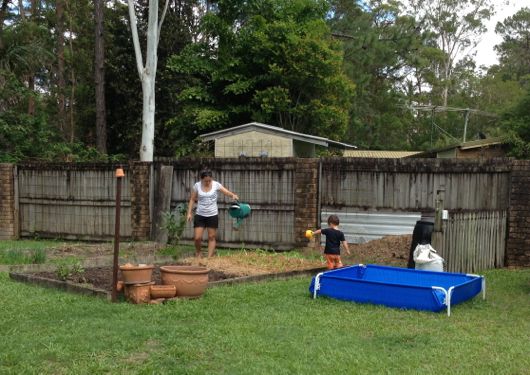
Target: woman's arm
column 228, row 193
column 193, row 198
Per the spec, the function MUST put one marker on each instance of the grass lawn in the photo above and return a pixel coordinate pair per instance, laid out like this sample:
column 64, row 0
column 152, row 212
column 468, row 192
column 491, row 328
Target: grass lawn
column 267, row 328
column 24, row 251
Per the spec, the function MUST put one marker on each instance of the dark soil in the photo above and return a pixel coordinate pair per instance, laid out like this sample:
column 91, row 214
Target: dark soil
column 101, row 277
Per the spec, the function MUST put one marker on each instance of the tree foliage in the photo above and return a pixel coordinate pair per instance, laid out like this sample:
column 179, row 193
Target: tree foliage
column 514, row 50
column 269, row 61
column 352, row 71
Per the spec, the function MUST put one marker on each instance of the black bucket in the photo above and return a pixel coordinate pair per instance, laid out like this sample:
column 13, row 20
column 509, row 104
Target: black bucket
column 422, row 235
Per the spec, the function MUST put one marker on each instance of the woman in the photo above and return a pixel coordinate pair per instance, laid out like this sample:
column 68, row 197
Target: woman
column 207, row 215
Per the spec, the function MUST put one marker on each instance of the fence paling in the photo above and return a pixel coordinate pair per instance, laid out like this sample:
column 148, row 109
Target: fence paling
column 473, row 241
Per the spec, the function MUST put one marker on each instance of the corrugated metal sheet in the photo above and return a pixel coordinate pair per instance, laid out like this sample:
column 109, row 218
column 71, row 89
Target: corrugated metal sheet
column 360, row 227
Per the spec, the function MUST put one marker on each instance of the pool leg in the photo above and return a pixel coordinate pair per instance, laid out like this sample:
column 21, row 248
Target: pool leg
column 483, row 288
column 447, row 297
column 317, row 285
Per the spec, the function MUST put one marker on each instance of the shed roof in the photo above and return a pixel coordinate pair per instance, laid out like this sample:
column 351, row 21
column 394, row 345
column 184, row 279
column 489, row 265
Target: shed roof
column 479, row 143
column 379, row 154
column 257, row 126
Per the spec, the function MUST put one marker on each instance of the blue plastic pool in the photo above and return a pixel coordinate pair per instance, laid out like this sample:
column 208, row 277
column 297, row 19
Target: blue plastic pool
column 398, row 287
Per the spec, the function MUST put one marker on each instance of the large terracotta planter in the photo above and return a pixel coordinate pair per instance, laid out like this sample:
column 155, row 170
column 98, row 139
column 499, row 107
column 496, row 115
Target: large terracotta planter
column 136, row 274
column 191, row 281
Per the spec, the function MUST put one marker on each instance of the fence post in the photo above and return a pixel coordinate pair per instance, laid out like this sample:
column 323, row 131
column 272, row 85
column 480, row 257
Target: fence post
column 162, row 202
column 439, row 207
column 518, row 242
column 305, row 198
column 140, row 200
column 8, row 202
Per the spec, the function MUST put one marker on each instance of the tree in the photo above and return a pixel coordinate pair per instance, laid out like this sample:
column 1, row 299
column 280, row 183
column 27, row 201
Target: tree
column 455, row 25
column 381, row 46
column 271, row 61
column 99, row 77
column 516, row 122
column 147, row 72
column 61, row 84
column 514, row 51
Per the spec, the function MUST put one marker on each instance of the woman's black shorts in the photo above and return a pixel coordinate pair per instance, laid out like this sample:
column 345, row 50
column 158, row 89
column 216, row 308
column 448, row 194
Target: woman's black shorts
column 206, row 221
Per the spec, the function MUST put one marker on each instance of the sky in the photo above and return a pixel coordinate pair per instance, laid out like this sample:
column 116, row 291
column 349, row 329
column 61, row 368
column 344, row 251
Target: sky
column 486, row 55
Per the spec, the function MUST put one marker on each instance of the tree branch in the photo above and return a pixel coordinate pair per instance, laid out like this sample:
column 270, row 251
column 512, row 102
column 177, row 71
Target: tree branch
column 136, row 40
column 161, row 21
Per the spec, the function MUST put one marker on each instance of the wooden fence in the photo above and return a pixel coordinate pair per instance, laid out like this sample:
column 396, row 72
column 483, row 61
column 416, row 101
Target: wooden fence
column 476, row 193
column 411, row 185
column 71, row 201
column 472, row 241
column 77, row 200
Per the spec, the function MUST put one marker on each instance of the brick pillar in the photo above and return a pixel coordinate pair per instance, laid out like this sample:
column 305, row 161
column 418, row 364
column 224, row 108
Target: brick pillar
column 518, row 246
column 306, row 198
column 140, row 181
column 8, row 227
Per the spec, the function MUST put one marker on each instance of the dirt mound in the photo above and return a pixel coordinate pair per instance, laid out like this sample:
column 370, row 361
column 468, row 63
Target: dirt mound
column 389, row 250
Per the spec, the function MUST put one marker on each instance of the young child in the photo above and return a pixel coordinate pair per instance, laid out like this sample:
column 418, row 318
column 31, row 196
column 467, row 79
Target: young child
column 334, row 238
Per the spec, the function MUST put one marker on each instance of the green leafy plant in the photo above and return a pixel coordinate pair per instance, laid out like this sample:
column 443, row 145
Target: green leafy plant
column 74, row 271
column 174, row 222
column 63, row 271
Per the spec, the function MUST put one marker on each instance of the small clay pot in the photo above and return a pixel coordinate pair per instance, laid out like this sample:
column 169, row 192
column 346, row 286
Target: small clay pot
column 136, row 274
column 190, row 281
column 119, row 286
column 163, row 291
column 138, row 293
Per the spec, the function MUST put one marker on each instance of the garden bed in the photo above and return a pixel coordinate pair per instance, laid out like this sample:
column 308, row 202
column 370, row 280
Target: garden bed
column 237, row 267
column 230, row 268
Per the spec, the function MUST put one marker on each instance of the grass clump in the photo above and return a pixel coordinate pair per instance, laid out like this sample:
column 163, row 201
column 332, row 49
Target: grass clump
column 22, row 256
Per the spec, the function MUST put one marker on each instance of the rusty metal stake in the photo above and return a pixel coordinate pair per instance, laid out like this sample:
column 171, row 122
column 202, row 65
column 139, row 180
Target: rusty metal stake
column 119, row 176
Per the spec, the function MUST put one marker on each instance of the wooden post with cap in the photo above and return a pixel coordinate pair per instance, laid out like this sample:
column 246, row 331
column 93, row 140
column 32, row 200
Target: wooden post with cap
column 119, row 176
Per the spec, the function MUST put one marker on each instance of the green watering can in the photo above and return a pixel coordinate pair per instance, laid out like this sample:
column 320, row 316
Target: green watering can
column 239, row 211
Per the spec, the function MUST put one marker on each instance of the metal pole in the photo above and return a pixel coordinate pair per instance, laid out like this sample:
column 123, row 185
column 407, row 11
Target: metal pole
column 119, row 176
column 466, row 119
column 432, row 122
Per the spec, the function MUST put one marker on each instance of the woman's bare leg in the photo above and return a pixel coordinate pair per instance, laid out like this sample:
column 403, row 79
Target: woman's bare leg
column 197, row 237
column 212, row 232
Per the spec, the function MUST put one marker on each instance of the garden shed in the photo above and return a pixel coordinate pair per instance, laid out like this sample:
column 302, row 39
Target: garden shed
column 261, row 140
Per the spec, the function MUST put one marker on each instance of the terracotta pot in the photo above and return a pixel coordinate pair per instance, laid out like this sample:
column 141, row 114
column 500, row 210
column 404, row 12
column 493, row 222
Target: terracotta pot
column 136, row 274
column 163, row 291
column 191, row 281
column 138, row 293
column 119, row 286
